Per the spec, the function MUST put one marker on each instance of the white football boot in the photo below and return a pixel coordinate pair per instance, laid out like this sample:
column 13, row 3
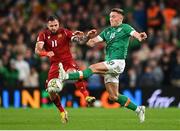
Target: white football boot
column 62, row 72
column 141, row 113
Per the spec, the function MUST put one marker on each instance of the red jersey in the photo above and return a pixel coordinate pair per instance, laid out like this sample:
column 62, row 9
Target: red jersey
column 59, row 43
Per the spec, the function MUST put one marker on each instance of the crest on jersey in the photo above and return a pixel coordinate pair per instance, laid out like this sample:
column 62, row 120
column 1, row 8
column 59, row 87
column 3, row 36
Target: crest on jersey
column 60, row 35
column 48, row 37
column 112, row 35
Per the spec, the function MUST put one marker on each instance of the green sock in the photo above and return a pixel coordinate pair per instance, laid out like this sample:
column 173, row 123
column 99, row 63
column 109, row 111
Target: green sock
column 125, row 101
column 80, row 74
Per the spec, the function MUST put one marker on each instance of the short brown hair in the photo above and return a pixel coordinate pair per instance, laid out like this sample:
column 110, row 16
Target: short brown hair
column 52, row 18
column 118, row 10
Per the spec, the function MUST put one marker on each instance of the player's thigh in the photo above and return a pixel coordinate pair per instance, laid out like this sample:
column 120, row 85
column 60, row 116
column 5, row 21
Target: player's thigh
column 99, row 68
column 53, row 72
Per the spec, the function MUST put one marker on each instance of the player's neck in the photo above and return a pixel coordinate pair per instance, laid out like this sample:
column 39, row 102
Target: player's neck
column 117, row 25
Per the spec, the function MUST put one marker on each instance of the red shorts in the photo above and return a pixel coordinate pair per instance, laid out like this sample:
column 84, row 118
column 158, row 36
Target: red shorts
column 54, row 69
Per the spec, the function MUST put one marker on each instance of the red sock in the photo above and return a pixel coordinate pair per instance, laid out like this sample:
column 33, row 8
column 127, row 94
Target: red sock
column 58, row 104
column 82, row 85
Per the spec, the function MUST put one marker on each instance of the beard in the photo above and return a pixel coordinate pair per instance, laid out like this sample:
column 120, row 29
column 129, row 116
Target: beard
column 54, row 32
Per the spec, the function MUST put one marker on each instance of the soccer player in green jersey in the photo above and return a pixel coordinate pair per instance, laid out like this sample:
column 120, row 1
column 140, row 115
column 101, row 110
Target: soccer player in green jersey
column 116, row 38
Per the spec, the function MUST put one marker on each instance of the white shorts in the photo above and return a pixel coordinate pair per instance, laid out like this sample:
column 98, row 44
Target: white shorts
column 115, row 68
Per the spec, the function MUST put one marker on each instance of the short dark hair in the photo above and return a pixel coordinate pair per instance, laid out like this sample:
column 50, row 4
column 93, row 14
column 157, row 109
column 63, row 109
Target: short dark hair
column 52, row 18
column 118, row 10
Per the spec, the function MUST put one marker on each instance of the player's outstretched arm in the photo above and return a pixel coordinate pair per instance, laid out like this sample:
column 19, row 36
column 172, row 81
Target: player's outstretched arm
column 81, row 38
column 92, row 42
column 140, row 36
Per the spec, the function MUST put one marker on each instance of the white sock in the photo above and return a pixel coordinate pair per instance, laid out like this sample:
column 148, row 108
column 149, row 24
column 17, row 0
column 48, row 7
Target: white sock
column 67, row 76
column 137, row 110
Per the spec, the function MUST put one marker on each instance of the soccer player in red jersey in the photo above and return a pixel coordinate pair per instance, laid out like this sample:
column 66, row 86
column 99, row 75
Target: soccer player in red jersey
column 54, row 42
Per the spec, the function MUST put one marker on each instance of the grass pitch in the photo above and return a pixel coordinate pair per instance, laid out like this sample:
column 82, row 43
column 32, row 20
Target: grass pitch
column 89, row 119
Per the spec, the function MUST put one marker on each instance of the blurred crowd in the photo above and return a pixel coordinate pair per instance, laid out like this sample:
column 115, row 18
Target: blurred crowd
column 154, row 62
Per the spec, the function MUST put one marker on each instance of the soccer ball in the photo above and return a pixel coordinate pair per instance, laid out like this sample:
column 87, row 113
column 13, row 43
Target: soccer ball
column 55, row 85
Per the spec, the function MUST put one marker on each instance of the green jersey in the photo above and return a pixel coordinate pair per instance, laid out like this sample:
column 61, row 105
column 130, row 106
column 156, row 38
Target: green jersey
column 117, row 41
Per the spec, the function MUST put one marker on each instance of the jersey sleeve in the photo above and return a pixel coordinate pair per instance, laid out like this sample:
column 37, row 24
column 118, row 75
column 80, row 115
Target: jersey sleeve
column 129, row 30
column 101, row 36
column 68, row 34
column 41, row 37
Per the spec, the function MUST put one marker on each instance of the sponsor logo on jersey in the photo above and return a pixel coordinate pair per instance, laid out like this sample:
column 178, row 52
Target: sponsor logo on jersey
column 60, row 35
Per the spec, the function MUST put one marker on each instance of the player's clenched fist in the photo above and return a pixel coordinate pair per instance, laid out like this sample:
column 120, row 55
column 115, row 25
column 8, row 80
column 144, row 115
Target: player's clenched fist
column 91, row 33
column 79, row 33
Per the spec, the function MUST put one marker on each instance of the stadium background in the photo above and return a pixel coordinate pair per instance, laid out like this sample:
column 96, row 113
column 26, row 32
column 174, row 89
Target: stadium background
column 152, row 75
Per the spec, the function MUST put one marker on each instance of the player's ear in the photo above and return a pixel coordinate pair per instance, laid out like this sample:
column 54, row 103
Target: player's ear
column 122, row 17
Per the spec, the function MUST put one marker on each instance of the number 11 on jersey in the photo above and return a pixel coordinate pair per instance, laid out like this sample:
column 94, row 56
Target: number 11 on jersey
column 54, row 43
